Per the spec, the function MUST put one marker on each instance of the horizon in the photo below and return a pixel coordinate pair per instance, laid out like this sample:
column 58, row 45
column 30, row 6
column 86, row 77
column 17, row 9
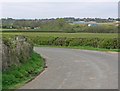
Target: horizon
column 44, row 10
column 55, row 18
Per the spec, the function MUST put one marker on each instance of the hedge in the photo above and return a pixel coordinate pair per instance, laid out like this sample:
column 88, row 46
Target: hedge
column 108, row 43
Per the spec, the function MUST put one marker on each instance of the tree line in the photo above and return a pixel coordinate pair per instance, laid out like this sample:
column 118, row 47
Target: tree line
column 60, row 24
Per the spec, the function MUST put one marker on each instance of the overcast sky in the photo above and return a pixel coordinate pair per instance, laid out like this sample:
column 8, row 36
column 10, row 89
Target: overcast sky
column 52, row 9
column 59, row 0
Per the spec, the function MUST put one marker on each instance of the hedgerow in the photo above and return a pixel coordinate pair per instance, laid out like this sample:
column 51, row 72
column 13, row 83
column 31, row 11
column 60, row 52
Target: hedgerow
column 96, row 42
column 108, row 43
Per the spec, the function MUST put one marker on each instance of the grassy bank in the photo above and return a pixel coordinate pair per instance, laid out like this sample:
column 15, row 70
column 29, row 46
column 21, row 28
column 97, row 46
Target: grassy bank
column 0, row 80
column 81, row 48
column 17, row 76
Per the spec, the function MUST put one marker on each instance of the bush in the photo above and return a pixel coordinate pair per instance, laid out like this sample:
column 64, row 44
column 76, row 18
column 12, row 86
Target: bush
column 93, row 42
column 60, row 41
column 42, row 40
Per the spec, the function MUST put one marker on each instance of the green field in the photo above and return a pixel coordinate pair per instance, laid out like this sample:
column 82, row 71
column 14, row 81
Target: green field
column 68, row 35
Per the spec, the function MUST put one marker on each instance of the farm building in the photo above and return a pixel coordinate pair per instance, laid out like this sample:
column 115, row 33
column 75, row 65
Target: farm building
column 92, row 25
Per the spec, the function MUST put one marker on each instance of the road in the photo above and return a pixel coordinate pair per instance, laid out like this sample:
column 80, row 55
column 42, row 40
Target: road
column 76, row 69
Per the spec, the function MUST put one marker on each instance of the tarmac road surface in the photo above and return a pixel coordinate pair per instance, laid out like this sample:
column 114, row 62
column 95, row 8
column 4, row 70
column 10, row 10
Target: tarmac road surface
column 76, row 69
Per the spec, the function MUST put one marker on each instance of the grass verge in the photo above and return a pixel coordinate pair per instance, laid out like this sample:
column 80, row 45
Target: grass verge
column 82, row 48
column 0, row 80
column 17, row 76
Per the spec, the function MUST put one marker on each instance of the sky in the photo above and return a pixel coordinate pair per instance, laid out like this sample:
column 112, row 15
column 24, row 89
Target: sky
column 37, row 9
column 59, row 0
